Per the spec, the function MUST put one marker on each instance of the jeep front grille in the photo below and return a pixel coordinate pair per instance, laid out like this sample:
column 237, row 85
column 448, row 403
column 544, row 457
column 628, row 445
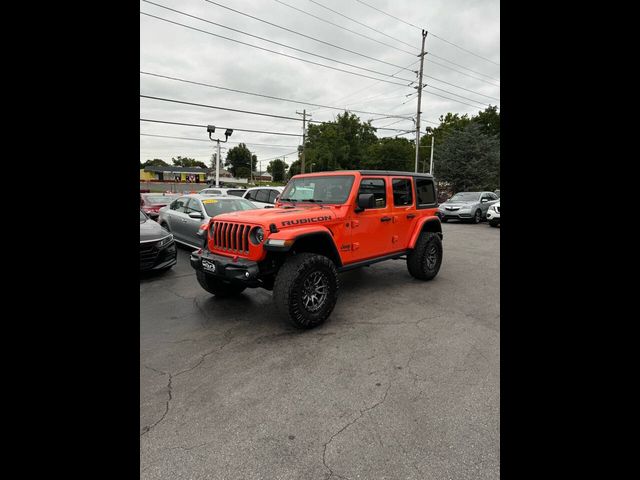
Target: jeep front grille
column 231, row 237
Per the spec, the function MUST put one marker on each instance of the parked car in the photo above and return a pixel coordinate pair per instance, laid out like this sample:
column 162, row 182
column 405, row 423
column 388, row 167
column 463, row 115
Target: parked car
column 157, row 248
column 238, row 192
column 151, row 203
column 468, row 206
column 263, row 197
column 493, row 214
column 187, row 214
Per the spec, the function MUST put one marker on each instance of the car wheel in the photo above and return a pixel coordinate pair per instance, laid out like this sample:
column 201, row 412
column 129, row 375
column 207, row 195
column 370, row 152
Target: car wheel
column 477, row 217
column 217, row 287
column 423, row 262
column 306, row 289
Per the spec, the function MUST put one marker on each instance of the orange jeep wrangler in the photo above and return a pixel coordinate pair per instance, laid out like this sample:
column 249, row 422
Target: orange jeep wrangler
column 323, row 223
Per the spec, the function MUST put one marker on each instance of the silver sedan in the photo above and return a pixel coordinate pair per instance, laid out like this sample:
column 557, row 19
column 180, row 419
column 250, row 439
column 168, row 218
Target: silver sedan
column 185, row 215
column 469, row 206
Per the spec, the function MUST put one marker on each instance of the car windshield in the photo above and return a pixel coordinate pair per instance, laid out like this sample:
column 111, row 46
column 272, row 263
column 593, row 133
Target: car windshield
column 143, row 217
column 216, row 206
column 465, row 197
column 329, row 189
column 157, row 199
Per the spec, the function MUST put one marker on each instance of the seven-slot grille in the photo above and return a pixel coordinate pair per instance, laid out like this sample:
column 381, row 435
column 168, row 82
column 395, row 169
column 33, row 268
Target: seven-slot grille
column 231, row 237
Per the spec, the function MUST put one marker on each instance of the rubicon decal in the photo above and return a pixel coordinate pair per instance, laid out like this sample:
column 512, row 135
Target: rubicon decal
column 305, row 220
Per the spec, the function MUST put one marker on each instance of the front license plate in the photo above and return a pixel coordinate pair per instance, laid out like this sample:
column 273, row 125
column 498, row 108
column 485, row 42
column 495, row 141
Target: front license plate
column 208, row 266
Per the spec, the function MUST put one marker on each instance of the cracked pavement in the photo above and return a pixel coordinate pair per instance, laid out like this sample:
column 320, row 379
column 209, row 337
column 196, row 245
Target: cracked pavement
column 402, row 381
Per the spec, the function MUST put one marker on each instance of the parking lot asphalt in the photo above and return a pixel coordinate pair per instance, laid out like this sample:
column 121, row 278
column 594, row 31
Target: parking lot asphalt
column 401, row 382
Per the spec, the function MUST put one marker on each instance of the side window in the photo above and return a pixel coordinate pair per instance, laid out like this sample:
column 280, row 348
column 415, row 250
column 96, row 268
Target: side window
column 272, row 195
column 425, row 192
column 262, row 196
column 377, row 187
column 493, row 196
column 402, row 194
column 194, row 206
column 251, row 195
column 180, row 205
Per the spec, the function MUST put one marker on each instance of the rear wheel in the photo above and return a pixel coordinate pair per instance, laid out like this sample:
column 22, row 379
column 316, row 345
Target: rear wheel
column 424, row 261
column 306, row 289
column 217, row 287
column 477, row 217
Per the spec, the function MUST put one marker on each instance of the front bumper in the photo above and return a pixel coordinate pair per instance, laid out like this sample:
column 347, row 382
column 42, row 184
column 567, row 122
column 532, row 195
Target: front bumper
column 240, row 271
column 456, row 214
column 491, row 215
column 158, row 259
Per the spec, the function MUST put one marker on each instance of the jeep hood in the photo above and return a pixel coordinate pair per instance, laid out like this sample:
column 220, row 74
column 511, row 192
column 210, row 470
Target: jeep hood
column 266, row 216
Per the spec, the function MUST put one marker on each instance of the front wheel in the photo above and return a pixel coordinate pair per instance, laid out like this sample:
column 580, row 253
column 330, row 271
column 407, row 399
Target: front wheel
column 306, row 289
column 424, row 261
column 477, row 218
column 217, row 287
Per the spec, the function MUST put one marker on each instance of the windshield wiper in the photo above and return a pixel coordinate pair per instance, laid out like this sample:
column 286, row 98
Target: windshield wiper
column 292, row 200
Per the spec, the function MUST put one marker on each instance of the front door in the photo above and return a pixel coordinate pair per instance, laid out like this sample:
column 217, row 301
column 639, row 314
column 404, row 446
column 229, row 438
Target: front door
column 372, row 229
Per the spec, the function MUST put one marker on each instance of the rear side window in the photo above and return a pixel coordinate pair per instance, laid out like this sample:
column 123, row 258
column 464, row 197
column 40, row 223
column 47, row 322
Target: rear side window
column 377, row 187
column 262, row 196
column 251, row 195
column 425, row 192
column 402, row 194
column 272, row 196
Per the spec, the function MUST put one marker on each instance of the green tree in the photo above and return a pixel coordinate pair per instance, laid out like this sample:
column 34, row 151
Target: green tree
column 277, row 168
column 390, row 154
column 294, row 169
column 339, row 145
column 156, row 162
column 469, row 160
column 239, row 161
column 489, row 121
column 187, row 162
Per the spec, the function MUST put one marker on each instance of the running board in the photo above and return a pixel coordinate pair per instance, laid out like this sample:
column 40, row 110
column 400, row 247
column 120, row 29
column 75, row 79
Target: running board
column 371, row 261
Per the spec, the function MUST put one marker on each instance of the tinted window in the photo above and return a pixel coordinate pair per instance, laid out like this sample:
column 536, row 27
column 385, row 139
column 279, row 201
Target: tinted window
column 237, row 193
column 425, row 191
column 180, row 204
column 272, row 195
column 262, row 196
column 493, row 196
column 402, row 194
column 377, row 187
column 251, row 195
column 216, row 206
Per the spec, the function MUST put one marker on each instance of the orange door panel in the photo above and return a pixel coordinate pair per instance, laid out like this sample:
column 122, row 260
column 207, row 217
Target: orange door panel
column 403, row 210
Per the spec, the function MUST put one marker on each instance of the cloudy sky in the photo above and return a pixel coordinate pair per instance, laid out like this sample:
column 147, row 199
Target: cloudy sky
column 171, row 50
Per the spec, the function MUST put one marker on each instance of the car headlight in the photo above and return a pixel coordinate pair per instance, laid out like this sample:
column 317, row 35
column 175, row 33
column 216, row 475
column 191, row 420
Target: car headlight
column 165, row 241
column 492, row 208
column 257, row 235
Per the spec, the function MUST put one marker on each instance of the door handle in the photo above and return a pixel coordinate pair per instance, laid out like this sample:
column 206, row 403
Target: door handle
column 411, row 215
column 385, row 219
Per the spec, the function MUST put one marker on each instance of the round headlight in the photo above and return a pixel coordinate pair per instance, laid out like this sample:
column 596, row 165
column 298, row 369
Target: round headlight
column 257, row 235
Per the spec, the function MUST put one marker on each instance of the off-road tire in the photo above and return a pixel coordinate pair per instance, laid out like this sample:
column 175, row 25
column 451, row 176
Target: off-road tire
column 420, row 261
column 477, row 216
column 217, row 287
column 289, row 289
column 493, row 223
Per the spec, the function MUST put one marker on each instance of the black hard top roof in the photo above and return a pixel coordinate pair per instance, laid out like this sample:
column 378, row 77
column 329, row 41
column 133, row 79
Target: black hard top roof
column 392, row 172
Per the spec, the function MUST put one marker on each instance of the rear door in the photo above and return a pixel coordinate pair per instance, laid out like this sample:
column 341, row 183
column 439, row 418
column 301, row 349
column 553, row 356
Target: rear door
column 404, row 215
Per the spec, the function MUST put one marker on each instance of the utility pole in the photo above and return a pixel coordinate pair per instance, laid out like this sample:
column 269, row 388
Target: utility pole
column 424, row 36
column 431, row 164
column 304, row 136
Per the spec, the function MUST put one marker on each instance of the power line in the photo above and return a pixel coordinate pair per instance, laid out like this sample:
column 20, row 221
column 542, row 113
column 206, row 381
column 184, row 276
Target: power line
column 269, row 41
column 257, row 94
column 451, row 93
column 360, row 23
column 462, row 66
column 461, row 88
column 209, row 141
column 249, row 112
column 420, row 28
column 273, row 51
column 452, row 99
column 222, row 128
column 344, row 28
column 302, row 34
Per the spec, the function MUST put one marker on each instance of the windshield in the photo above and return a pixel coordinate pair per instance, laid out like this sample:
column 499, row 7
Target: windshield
column 143, row 217
column 216, row 206
column 156, row 199
column 329, row 189
column 465, row 197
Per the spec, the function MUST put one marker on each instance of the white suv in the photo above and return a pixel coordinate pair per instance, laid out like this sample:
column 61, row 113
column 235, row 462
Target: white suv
column 263, row 197
column 493, row 214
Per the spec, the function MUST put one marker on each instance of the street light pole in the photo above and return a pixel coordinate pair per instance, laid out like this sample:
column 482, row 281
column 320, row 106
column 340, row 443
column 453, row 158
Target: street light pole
column 211, row 129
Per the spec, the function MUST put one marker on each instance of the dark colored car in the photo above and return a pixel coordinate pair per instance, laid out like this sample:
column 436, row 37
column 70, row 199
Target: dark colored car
column 151, row 203
column 157, row 247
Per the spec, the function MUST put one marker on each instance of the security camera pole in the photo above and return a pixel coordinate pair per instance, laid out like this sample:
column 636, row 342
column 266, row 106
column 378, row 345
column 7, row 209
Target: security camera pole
column 211, row 129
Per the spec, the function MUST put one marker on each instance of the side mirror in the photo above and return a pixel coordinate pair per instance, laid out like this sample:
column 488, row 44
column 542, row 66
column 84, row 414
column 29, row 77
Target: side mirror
column 197, row 215
column 484, row 200
column 366, row 200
